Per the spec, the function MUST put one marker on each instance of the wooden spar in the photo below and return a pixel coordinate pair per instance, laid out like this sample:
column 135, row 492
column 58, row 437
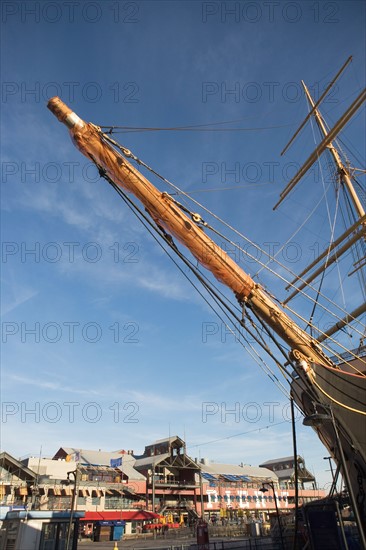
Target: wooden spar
column 352, row 229
column 346, row 179
column 88, row 138
column 322, row 146
column 342, row 170
column 358, row 265
column 328, row 262
column 161, row 208
column 343, row 322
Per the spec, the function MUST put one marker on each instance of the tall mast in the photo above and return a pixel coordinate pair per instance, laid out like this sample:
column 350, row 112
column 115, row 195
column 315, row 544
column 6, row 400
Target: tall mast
column 358, row 229
column 89, row 139
column 342, row 170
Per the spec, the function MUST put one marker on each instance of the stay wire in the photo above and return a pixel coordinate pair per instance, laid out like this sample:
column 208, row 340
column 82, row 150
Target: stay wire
column 199, row 276
column 238, row 435
column 208, row 127
column 295, row 313
column 331, row 224
column 280, row 347
column 129, row 154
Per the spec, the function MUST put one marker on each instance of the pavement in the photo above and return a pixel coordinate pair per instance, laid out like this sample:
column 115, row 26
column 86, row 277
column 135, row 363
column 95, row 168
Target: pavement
column 150, row 543
column 159, row 542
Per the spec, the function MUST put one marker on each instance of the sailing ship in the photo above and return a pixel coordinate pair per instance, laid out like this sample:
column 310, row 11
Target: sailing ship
column 327, row 379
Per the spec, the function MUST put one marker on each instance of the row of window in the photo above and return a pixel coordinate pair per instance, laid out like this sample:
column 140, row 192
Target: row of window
column 64, row 503
column 249, row 498
column 235, row 484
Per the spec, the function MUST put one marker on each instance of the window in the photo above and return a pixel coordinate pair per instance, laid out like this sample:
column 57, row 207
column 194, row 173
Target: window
column 54, row 536
column 117, row 503
column 133, row 526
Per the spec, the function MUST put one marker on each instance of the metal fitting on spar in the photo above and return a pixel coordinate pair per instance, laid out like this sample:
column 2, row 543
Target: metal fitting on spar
column 64, row 114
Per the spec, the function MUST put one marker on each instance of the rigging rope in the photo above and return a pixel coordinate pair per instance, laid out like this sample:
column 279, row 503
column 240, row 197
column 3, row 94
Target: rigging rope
column 239, row 434
column 192, row 128
column 331, row 225
column 129, row 154
column 223, row 305
column 259, row 360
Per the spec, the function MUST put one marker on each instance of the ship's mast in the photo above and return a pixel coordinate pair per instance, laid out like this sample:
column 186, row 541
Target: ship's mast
column 166, row 213
column 342, row 170
column 358, row 229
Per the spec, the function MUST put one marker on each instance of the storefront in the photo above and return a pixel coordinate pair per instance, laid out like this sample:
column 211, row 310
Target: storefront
column 108, row 524
column 108, row 530
column 40, row 530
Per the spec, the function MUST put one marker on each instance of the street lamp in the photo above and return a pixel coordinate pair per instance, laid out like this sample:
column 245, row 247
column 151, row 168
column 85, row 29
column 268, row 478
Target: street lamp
column 264, row 490
column 74, row 473
column 329, row 458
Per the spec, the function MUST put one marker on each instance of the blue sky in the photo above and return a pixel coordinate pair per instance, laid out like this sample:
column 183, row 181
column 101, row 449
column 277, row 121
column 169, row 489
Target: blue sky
column 105, row 343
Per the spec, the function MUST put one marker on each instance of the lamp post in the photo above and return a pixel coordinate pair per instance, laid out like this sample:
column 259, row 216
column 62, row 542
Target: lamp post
column 264, row 490
column 329, row 458
column 75, row 474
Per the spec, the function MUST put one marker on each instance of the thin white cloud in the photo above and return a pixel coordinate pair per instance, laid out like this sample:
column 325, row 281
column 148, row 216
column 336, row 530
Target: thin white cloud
column 15, row 295
column 55, row 386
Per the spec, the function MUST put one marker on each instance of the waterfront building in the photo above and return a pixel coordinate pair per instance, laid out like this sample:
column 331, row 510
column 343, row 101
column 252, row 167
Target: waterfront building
column 163, row 485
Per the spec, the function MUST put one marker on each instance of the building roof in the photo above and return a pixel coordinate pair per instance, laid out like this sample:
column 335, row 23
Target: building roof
column 15, row 467
column 289, row 473
column 234, row 470
column 43, row 514
column 170, row 439
column 149, row 461
column 283, row 459
column 128, row 468
column 101, row 458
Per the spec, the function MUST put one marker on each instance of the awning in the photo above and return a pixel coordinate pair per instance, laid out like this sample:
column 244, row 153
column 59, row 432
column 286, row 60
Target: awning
column 139, row 515
column 132, row 515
